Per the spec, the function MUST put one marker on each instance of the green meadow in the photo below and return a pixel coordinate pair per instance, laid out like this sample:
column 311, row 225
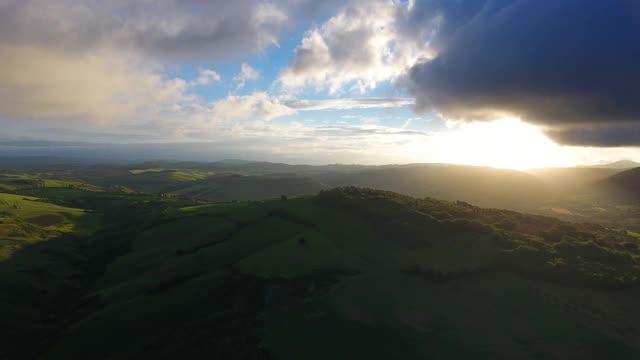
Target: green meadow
column 27, row 219
column 172, row 174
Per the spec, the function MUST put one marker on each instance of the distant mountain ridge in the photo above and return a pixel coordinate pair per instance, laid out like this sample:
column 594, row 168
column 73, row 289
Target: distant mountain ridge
column 621, row 164
column 623, row 186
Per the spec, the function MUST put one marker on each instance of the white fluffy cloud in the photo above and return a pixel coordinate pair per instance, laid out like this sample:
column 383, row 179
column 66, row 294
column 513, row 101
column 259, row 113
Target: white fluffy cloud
column 364, row 44
column 205, row 77
column 247, row 73
column 258, row 106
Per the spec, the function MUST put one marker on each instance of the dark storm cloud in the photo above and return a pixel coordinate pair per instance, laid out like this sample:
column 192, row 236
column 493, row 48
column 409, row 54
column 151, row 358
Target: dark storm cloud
column 571, row 63
column 604, row 136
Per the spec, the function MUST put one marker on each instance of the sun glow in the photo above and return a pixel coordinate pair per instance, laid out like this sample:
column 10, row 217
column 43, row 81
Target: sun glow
column 505, row 143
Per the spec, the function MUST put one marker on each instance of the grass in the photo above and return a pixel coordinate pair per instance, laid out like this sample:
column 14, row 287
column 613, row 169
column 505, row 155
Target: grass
column 29, row 208
column 258, row 274
column 7, row 187
column 298, row 255
column 172, row 174
column 201, row 242
column 634, row 234
column 26, row 220
column 229, row 187
column 142, row 171
column 25, row 181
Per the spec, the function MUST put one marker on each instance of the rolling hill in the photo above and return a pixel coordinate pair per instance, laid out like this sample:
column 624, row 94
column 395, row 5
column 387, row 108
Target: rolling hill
column 571, row 193
column 348, row 274
column 572, row 180
column 245, row 180
column 620, row 165
column 239, row 180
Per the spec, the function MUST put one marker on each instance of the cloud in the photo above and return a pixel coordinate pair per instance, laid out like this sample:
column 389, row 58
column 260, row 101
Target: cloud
column 476, row 143
column 101, row 86
column 293, row 143
column 246, row 73
column 298, row 143
column 162, row 28
column 168, row 29
column 570, row 66
column 365, row 130
column 362, row 45
column 349, row 103
column 264, row 107
column 258, row 105
column 597, row 135
column 106, row 61
column 205, row 77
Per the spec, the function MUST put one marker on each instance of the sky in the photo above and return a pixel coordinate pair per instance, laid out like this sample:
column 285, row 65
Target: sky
column 505, row 83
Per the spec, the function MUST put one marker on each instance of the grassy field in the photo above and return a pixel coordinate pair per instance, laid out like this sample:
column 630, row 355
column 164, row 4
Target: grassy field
column 228, row 187
column 28, row 207
column 17, row 181
column 42, row 248
column 46, row 215
column 172, row 174
column 303, row 278
column 25, row 220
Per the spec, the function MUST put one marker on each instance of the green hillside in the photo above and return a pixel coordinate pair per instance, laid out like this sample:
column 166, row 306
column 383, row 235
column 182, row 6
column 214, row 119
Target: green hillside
column 26, row 219
column 357, row 274
column 41, row 257
column 28, row 207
